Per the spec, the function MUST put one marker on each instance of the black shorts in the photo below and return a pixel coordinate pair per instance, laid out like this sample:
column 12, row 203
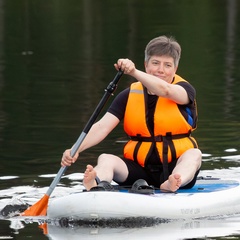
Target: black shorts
column 152, row 175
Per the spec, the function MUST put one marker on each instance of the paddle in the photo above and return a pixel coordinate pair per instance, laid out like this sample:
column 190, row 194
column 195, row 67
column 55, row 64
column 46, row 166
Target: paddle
column 40, row 208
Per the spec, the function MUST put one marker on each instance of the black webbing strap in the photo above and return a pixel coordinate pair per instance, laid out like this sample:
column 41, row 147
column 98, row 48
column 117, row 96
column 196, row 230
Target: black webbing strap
column 165, row 157
column 135, row 152
column 158, row 138
column 167, row 142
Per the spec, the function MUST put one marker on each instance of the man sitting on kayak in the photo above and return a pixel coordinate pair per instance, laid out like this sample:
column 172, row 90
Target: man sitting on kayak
column 159, row 113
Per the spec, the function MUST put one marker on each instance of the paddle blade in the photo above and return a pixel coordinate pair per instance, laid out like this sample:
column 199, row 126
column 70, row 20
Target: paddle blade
column 38, row 209
column 44, row 228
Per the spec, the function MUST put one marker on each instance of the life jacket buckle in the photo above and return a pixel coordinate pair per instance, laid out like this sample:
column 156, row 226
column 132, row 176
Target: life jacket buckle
column 158, row 138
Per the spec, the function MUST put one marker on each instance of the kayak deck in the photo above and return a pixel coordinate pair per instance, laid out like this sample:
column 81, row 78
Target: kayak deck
column 213, row 197
column 202, row 186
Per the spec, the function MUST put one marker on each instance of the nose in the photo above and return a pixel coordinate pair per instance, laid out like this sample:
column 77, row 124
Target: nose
column 160, row 68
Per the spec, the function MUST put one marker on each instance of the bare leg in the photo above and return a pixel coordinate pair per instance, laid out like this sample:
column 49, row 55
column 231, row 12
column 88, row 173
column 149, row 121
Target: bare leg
column 109, row 166
column 185, row 170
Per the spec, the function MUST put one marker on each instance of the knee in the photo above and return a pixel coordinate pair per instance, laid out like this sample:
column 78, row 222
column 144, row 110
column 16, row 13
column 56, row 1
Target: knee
column 103, row 157
column 197, row 156
column 197, row 152
column 194, row 154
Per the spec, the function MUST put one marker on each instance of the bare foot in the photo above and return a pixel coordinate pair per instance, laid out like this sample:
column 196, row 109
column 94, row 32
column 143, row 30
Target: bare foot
column 172, row 184
column 89, row 177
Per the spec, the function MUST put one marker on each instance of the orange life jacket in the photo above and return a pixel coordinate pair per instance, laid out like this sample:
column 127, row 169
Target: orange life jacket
column 171, row 130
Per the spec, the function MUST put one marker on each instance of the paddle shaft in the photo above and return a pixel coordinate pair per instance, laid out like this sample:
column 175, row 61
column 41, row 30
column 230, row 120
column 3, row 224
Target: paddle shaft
column 108, row 92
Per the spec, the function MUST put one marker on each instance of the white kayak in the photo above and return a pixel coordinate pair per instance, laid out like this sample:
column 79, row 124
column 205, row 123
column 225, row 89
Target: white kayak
column 208, row 198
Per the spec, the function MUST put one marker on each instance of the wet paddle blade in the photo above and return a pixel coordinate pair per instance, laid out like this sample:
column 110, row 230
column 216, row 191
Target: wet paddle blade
column 44, row 227
column 38, row 209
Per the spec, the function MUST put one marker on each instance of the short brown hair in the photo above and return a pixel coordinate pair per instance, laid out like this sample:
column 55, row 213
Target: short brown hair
column 161, row 46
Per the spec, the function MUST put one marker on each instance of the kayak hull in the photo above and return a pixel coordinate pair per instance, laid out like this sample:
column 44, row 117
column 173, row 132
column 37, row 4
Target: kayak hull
column 208, row 198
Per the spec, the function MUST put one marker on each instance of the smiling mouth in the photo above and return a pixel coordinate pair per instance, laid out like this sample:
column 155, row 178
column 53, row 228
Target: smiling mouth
column 162, row 77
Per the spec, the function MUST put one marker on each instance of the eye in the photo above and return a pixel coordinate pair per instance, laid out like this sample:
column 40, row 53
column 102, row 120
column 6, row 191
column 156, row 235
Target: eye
column 168, row 65
column 155, row 63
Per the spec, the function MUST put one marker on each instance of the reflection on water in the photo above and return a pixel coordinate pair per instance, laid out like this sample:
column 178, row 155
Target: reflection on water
column 230, row 55
column 53, row 71
column 187, row 229
column 173, row 230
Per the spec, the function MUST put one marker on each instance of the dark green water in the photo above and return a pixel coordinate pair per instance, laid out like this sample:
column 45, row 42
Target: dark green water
column 57, row 56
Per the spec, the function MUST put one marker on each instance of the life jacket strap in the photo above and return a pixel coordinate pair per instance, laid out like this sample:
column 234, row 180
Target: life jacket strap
column 158, row 138
column 167, row 142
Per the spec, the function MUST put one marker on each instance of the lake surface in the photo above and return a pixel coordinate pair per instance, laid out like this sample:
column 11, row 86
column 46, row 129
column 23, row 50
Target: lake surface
column 56, row 59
